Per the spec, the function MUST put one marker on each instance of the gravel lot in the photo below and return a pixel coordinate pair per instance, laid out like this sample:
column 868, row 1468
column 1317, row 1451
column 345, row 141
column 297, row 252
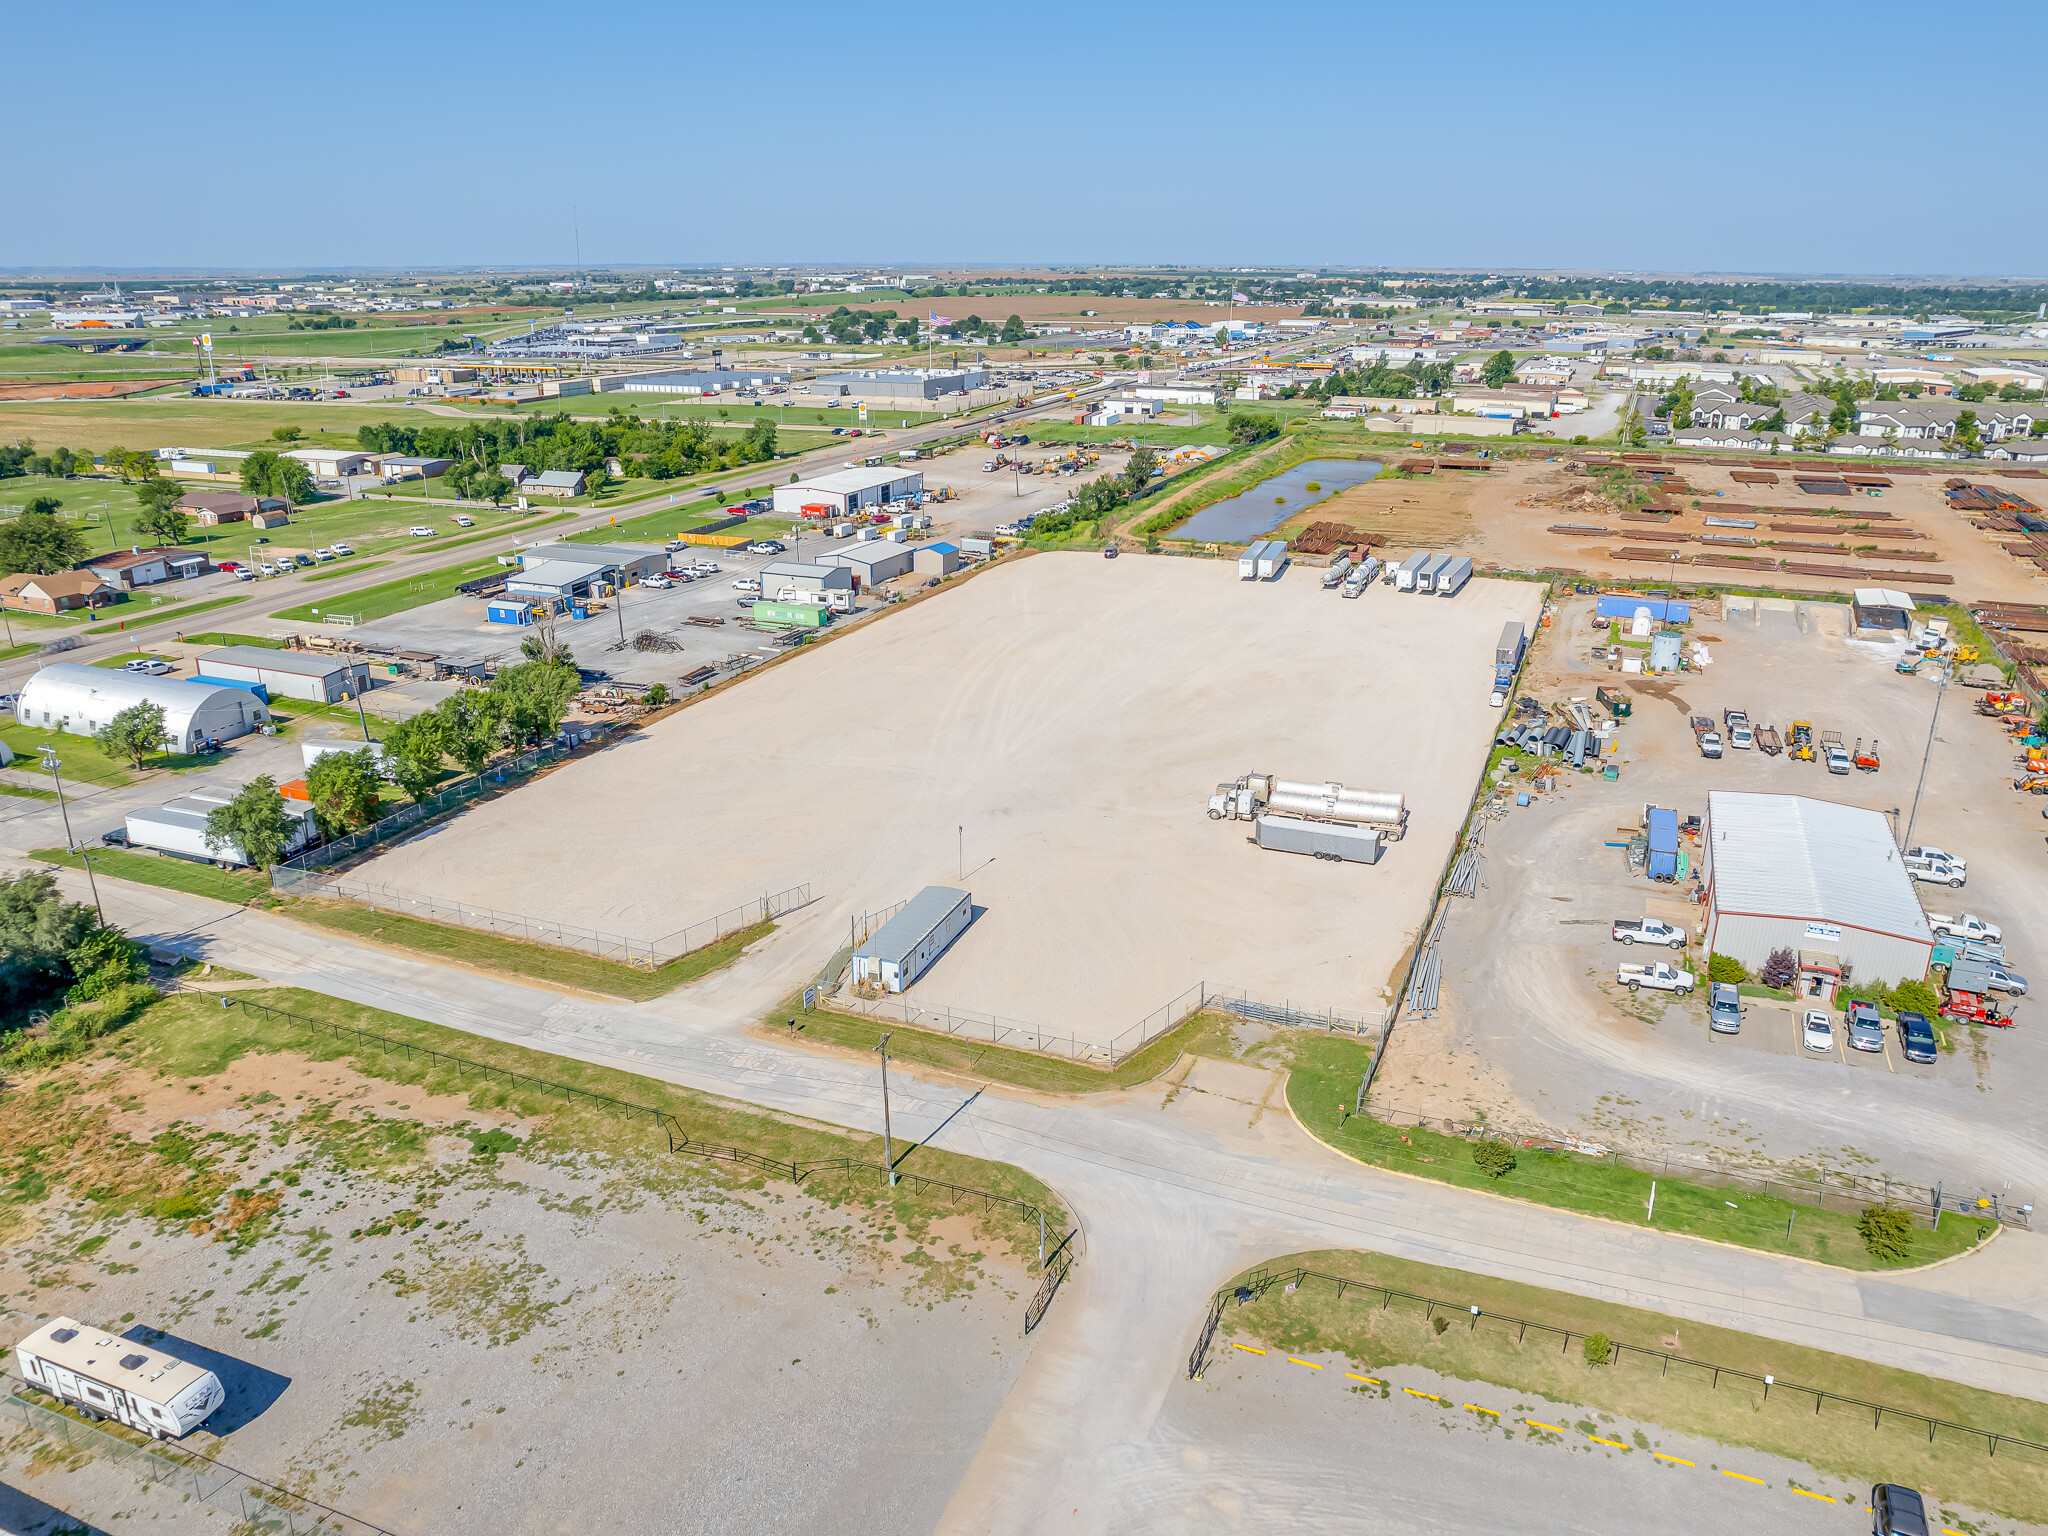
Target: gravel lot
column 431, row 1338
column 1072, row 715
column 1528, row 1030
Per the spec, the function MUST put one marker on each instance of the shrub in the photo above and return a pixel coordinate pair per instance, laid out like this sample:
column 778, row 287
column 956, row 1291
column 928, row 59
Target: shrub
column 1440, row 1324
column 1495, row 1157
column 1727, row 968
column 1887, row 1231
column 1780, row 969
column 656, row 695
column 1599, row 1348
column 1916, row 997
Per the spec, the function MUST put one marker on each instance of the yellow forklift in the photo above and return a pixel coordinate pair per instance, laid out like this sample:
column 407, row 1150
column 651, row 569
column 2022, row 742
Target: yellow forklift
column 1800, row 748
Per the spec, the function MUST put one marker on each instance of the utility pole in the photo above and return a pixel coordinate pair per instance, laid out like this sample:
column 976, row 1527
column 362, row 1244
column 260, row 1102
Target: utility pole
column 1928, row 755
column 50, row 762
column 888, row 1145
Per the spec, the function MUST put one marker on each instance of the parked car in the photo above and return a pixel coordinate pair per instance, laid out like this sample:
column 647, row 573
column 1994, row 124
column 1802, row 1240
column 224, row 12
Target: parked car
column 1662, row 976
column 342, row 549
column 1109, row 551
column 465, row 522
column 323, row 554
column 1936, row 871
column 766, row 547
column 420, row 531
column 658, row 581
column 267, row 568
column 151, row 665
column 1817, row 1030
column 1866, row 1029
column 1966, row 925
column 2003, row 980
column 118, row 838
column 243, row 573
column 1724, row 1009
column 745, row 584
column 304, row 562
column 1897, row 1511
column 227, row 565
column 1916, row 1036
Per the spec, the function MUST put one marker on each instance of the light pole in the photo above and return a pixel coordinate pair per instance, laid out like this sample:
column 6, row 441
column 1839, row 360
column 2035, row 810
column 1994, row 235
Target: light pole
column 1925, row 757
column 888, row 1146
column 50, row 762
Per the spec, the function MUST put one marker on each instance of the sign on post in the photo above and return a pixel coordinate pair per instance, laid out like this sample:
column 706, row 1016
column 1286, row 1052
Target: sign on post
column 810, row 998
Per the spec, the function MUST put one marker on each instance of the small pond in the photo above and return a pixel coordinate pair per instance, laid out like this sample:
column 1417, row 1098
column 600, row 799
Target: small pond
column 1252, row 513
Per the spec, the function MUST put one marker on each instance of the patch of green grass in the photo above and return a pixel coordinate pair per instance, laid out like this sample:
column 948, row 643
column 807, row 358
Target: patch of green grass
column 329, row 572
column 236, row 885
column 79, row 758
column 23, row 792
column 998, row 1063
column 1323, row 1083
column 221, row 637
column 1840, row 1438
column 520, row 957
column 396, row 596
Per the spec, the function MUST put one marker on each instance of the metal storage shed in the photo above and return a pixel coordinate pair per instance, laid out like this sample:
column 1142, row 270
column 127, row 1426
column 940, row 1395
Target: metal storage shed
column 872, row 563
column 79, row 699
column 294, row 674
column 904, row 948
column 558, row 578
column 1788, row 872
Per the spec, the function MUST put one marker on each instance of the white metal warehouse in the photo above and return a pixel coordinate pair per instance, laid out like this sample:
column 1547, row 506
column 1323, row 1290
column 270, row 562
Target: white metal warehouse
column 80, row 699
column 292, row 674
column 1814, row 877
column 905, row 946
column 848, row 490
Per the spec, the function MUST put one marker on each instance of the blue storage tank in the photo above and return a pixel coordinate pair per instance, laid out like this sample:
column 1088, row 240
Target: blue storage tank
column 1663, row 844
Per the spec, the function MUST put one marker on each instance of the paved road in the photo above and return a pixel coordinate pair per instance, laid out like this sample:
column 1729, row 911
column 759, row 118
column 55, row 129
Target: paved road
column 1174, row 1192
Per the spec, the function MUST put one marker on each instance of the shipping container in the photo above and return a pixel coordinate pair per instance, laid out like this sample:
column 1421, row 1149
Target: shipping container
column 1405, row 572
column 1507, row 653
column 1327, row 840
column 1453, row 576
column 799, row 615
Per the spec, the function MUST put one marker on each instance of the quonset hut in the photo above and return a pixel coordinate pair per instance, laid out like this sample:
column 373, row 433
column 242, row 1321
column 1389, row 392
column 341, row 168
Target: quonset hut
column 80, row 700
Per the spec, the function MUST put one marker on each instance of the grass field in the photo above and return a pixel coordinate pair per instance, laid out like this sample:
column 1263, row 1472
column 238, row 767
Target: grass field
column 236, row 885
column 186, row 422
column 79, row 758
column 1840, row 1438
column 395, row 596
column 1323, row 1077
column 518, row 957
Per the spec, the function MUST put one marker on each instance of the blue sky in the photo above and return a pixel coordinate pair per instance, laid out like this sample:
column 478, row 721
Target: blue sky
column 1788, row 137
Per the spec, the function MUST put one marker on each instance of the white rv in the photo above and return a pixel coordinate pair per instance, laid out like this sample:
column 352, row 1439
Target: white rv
column 115, row 1378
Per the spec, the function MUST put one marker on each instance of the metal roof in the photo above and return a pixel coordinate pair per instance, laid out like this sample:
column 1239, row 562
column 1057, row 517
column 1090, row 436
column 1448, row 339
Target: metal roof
column 557, row 573
column 1883, row 597
column 907, row 929
column 841, row 481
column 262, row 658
column 1789, row 856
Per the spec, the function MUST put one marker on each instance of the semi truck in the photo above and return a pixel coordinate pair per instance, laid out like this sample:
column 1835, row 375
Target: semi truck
column 1338, row 569
column 1362, row 575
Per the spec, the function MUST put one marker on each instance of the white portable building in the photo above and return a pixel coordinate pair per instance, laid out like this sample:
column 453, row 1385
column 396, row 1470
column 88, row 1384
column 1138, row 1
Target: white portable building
column 903, row 948
column 1788, row 872
column 67, row 696
column 115, row 1378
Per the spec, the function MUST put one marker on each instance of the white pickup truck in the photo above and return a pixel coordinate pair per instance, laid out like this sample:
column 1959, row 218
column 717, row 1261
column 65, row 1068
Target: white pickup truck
column 1648, row 930
column 1965, row 926
column 1662, row 976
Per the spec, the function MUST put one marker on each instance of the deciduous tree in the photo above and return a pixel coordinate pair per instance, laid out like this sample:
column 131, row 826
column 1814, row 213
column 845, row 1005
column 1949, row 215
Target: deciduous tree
column 343, row 788
column 255, row 821
column 134, row 735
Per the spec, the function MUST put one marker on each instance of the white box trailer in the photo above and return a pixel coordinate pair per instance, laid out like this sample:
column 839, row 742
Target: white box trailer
column 179, row 828
column 1248, row 562
column 1272, row 560
column 110, row 1377
column 1453, row 576
column 1333, row 840
column 1426, row 574
column 1406, row 572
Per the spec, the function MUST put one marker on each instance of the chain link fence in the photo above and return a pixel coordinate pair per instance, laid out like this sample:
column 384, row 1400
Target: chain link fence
column 647, row 954
column 259, row 1505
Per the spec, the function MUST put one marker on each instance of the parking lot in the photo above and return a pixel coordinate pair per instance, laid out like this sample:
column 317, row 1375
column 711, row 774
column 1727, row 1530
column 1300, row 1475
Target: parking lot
column 1533, row 1028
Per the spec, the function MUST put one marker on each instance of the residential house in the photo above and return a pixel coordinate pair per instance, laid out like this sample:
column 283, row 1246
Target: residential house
column 1908, row 418
column 2020, row 450
column 31, row 593
column 211, row 508
column 516, row 473
column 554, row 482
column 146, row 567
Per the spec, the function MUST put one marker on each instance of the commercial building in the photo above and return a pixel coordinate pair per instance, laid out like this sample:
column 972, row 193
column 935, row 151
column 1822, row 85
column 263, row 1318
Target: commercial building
column 849, row 490
column 617, row 561
column 294, row 674
column 707, row 381
column 59, row 593
column 904, row 948
column 780, row 576
column 79, row 699
column 900, row 383
column 147, row 567
column 568, row 580
column 1819, row 879
column 96, row 319
column 1178, row 394
column 395, row 466
column 873, row 563
column 332, row 463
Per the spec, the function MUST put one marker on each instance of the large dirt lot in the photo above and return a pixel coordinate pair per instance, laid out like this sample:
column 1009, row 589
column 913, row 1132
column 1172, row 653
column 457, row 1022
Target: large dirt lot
column 1072, row 714
column 1502, row 517
column 1532, row 1029
column 441, row 1318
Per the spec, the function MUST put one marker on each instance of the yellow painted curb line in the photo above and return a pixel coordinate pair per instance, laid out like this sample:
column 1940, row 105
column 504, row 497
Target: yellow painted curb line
column 1743, row 1477
column 1534, row 1424
column 1615, row 1443
column 1248, row 1349
column 1309, row 1363
column 1661, row 1456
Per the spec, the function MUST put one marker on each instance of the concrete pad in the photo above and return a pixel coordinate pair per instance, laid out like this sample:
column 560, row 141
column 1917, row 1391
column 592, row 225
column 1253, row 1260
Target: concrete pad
column 1073, row 715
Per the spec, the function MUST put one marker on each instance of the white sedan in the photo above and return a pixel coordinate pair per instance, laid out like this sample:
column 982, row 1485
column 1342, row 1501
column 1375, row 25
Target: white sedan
column 1817, row 1030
